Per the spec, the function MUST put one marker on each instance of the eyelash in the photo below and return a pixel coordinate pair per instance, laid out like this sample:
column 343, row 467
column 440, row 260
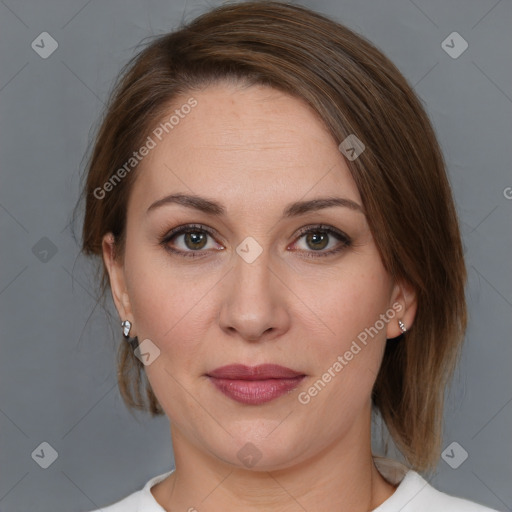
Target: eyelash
column 193, row 228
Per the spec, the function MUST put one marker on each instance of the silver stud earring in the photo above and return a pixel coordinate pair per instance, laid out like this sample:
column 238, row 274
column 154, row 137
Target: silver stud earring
column 402, row 326
column 127, row 325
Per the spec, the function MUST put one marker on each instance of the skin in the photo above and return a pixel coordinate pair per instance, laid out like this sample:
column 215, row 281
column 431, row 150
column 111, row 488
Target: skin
column 255, row 150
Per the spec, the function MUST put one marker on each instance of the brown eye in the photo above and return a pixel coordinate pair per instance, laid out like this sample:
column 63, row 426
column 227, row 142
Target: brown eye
column 195, row 240
column 190, row 241
column 318, row 238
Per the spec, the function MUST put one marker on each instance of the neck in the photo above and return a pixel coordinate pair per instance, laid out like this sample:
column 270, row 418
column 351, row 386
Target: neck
column 341, row 477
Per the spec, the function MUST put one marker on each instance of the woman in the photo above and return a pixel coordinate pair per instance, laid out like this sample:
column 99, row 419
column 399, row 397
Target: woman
column 278, row 234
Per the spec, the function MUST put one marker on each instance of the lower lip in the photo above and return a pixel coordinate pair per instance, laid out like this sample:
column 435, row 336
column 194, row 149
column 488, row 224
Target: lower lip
column 255, row 392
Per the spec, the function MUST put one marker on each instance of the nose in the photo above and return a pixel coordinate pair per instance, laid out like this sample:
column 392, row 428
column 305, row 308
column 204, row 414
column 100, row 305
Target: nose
column 254, row 300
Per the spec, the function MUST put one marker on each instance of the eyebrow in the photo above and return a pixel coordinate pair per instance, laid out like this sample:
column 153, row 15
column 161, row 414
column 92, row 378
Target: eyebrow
column 292, row 210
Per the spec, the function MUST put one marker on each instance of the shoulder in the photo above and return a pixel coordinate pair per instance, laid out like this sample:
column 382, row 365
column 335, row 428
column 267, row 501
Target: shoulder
column 422, row 497
column 139, row 501
column 415, row 494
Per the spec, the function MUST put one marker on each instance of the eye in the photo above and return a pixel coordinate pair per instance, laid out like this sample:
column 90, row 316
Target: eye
column 190, row 239
column 317, row 238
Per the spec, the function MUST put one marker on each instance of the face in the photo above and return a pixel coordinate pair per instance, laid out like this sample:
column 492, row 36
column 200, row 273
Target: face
column 249, row 279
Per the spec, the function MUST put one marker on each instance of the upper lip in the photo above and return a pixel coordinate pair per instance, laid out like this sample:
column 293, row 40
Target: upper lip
column 260, row 372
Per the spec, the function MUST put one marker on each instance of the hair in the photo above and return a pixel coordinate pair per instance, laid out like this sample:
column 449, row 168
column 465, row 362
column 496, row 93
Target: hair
column 401, row 178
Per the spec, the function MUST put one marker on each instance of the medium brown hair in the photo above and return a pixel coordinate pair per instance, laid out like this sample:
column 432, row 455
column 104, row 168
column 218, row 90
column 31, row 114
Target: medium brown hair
column 401, row 178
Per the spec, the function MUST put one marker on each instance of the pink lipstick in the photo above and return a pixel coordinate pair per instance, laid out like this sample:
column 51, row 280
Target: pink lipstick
column 254, row 385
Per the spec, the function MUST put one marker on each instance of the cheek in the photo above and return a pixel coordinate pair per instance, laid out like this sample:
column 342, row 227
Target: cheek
column 348, row 301
column 168, row 311
column 347, row 351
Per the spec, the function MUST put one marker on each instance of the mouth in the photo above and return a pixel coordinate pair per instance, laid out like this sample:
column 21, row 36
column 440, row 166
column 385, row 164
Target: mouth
column 254, row 385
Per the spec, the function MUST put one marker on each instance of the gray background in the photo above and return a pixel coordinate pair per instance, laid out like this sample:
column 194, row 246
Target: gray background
column 58, row 382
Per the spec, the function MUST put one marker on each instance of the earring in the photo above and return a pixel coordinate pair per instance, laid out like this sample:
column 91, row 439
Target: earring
column 402, row 326
column 127, row 325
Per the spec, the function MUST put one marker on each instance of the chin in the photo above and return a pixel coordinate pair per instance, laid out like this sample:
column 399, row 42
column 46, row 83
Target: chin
column 259, row 452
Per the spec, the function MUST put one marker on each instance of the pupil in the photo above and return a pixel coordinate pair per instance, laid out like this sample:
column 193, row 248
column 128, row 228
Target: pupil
column 315, row 237
column 195, row 238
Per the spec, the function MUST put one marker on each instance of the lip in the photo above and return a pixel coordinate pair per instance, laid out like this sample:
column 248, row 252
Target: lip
column 260, row 372
column 255, row 385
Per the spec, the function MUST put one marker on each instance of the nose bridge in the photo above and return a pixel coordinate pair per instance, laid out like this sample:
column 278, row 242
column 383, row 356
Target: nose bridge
column 251, row 303
column 251, row 273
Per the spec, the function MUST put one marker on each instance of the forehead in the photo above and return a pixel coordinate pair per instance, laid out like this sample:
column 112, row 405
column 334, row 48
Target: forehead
column 252, row 144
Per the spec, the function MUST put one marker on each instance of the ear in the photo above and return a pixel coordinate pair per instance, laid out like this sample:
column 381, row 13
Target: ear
column 115, row 270
column 404, row 303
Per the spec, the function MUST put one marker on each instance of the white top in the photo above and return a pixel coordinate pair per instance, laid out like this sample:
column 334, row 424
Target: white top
column 413, row 494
